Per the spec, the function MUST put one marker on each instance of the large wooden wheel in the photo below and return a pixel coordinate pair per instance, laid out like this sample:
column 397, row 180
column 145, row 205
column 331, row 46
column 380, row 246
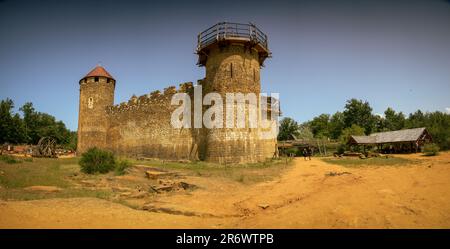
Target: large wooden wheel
column 46, row 147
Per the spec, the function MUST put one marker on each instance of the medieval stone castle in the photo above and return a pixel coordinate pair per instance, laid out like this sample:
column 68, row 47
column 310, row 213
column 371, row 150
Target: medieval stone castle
column 233, row 55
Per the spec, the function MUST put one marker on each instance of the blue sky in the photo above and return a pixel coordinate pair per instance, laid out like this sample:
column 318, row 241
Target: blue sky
column 390, row 53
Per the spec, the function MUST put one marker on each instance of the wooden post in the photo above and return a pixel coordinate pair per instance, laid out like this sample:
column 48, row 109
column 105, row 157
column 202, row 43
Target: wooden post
column 318, row 146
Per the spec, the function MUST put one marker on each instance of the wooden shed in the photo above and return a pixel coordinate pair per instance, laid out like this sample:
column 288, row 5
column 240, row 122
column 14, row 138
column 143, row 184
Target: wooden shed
column 408, row 140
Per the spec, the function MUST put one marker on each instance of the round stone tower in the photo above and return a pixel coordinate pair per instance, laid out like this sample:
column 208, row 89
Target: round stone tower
column 96, row 93
column 232, row 55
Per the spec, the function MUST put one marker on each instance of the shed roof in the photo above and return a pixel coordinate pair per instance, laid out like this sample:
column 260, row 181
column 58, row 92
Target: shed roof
column 364, row 139
column 407, row 135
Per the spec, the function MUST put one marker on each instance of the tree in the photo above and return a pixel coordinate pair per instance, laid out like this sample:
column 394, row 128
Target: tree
column 319, row 126
column 30, row 122
column 393, row 121
column 72, row 143
column 11, row 126
column 5, row 120
column 415, row 120
column 304, row 132
column 39, row 125
column 438, row 123
column 359, row 113
column 353, row 130
column 288, row 127
column 33, row 126
column 336, row 125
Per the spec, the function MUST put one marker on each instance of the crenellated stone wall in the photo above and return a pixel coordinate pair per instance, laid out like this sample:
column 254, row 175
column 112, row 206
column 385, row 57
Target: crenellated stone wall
column 141, row 127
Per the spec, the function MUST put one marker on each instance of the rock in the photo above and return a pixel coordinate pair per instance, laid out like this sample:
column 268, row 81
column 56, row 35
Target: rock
column 160, row 189
column 152, row 190
column 337, row 173
column 89, row 183
column 154, row 174
column 121, row 189
column 186, row 185
column 263, row 206
column 149, row 207
column 166, row 182
column 44, row 188
column 139, row 195
column 125, row 194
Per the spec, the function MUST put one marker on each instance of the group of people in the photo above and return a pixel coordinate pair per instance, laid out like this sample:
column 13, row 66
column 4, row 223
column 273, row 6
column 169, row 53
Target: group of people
column 307, row 152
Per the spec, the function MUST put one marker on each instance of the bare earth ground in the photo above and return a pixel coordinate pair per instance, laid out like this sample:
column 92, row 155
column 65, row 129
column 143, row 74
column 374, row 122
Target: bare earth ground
column 303, row 196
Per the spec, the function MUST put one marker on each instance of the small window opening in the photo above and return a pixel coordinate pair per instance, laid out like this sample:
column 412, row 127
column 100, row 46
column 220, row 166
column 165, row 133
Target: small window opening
column 96, row 79
column 90, row 103
column 231, row 70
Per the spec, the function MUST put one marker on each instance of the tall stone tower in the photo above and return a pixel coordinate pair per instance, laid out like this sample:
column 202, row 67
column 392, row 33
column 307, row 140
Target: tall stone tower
column 232, row 55
column 96, row 93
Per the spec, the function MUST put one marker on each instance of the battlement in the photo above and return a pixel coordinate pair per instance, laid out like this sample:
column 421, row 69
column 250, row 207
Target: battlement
column 155, row 98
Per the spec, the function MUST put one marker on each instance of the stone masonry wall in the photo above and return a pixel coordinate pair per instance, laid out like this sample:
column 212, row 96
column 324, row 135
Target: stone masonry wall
column 235, row 68
column 142, row 128
column 92, row 121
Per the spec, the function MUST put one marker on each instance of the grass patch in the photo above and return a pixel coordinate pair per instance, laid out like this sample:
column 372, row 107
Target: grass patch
column 121, row 167
column 42, row 171
column 59, row 172
column 431, row 150
column 243, row 173
column 374, row 161
column 9, row 159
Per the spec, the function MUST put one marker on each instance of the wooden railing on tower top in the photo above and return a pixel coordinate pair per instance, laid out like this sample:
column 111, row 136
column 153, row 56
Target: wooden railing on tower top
column 231, row 31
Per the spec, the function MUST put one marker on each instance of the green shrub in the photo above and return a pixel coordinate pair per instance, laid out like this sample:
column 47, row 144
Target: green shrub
column 340, row 149
column 97, row 161
column 291, row 151
column 430, row 149
column 9, row 159
column 121, row 167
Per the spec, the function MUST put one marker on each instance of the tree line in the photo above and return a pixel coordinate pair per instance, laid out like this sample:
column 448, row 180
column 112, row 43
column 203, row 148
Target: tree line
column 31, row 126
column 357, row 119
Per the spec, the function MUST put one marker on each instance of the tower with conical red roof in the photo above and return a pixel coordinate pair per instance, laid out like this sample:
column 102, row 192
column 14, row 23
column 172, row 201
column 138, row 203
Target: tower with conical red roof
column 96, row 93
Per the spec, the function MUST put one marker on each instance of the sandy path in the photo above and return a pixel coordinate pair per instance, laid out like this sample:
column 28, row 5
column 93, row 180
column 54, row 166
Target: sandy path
column 413, row 196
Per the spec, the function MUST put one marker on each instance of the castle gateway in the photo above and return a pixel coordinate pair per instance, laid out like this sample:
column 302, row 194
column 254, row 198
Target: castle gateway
column 233, row 55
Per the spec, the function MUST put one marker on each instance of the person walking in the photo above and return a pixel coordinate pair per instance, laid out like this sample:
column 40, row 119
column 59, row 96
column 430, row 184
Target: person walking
column 305, row 153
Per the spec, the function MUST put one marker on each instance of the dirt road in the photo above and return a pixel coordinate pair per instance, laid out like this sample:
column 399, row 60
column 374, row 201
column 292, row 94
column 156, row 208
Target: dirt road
column 305, row 196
